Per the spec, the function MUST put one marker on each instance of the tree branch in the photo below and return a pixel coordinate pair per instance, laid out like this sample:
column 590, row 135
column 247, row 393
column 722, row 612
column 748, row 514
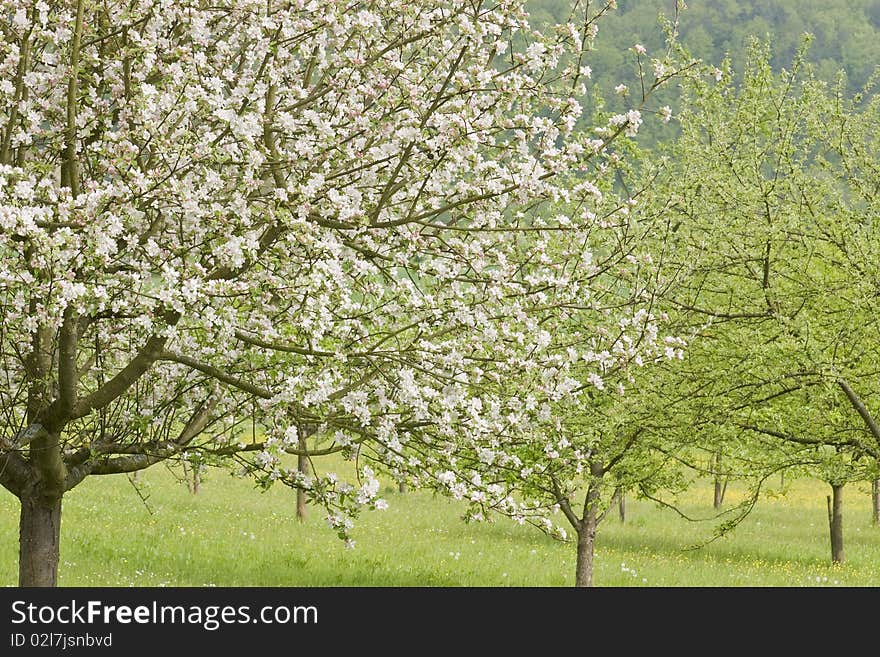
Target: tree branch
column 267, row 239
column 275, row 346
column 23, row 437
column 629, row 443
column 59, row 411
column 564, row 504
column 217, row 374
column 126, row 378
column 131, row 463
column 70, row 167
column 861, row 409
column 801, row 440
column 14, row 472
column 198, row 421
column 20, row 91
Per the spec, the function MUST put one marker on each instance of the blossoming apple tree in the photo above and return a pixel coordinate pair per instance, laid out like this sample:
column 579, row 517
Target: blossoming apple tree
column 581, row 411
column 308, row 217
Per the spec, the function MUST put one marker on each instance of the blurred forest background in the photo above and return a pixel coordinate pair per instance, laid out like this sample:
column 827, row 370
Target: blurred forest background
column 845, row 38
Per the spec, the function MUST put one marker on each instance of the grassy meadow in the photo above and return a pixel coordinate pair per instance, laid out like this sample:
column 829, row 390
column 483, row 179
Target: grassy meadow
column 233, row 535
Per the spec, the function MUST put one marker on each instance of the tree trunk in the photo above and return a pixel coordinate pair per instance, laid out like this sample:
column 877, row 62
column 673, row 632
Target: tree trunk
column 875, row 501
column 401, row 487
column 39, row 537
column 620, row 497
column 586, row 542
column 835, row 522
column 302, row 464
column 720, row 484
column 192, row 474
column 586, row 532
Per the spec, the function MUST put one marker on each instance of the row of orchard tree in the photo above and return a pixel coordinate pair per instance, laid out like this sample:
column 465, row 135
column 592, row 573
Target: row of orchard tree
column 250, row 232
column 771, row 190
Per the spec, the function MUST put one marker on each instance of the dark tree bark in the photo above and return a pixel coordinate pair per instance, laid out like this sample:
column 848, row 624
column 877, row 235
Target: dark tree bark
column 835, row 522
column 39, row 541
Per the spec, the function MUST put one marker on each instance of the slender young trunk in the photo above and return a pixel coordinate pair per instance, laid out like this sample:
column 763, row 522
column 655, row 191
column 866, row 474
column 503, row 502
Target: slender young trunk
column 720, row 483
column 190, row 475
column 39, row 541
column 621, row 504
column 586, row 533
column 585, row 545
column 875, row 501
column 719, row 493
column 302, row 464
column 835, row 522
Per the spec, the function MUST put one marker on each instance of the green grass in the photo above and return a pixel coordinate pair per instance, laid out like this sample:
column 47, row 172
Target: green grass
column 233, row 535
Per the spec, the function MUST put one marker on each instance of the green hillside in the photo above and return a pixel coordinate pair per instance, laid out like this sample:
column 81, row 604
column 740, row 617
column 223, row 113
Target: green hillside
column 846, row 32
